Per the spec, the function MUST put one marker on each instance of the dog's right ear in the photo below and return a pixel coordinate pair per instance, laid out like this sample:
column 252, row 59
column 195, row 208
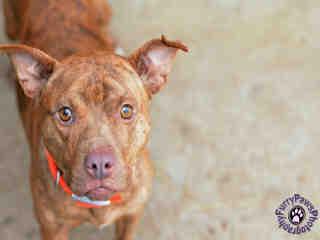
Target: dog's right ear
column 32, row 66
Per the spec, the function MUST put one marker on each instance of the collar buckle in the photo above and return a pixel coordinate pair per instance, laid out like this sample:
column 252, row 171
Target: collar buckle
column 58, row 178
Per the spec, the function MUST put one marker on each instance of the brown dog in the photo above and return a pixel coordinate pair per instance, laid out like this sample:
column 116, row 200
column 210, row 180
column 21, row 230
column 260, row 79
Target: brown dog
column 88, row 109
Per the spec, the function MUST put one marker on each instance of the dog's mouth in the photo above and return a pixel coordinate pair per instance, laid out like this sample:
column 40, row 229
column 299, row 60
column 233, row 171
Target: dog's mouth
column 100, row 193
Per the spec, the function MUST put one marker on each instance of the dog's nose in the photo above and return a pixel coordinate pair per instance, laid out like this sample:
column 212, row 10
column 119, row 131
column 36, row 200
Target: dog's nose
column 99, row 163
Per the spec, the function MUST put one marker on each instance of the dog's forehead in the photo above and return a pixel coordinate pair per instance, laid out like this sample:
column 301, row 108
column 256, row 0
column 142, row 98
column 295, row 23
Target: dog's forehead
column 97, row 78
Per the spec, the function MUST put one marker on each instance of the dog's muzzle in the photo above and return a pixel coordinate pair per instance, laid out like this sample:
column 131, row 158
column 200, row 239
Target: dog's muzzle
column 81, row 201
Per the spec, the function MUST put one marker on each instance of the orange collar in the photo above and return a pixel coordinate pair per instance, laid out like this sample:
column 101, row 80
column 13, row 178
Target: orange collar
column 80, row 201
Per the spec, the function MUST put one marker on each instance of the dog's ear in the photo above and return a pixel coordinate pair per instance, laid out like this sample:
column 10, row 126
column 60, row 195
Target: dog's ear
column 32, row 66
column 153, row 62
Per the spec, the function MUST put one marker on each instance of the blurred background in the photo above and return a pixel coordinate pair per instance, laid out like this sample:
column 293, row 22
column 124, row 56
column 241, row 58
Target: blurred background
column 235, row 132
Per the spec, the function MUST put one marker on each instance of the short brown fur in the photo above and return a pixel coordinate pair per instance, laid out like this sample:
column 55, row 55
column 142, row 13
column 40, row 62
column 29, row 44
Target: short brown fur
column 71, row 63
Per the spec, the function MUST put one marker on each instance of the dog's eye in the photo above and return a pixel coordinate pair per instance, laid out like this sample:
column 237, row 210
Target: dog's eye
column 65, row 115
column 126, row 111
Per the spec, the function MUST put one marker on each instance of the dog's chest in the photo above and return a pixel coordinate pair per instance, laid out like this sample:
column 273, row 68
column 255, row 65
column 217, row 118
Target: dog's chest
column 104, row 217
column 108, row 217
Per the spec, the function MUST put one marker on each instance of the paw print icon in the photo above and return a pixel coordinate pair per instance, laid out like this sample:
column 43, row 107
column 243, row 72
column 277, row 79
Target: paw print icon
column 296, row 215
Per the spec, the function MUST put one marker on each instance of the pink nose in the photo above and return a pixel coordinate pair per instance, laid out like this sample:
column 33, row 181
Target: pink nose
column 100, row 163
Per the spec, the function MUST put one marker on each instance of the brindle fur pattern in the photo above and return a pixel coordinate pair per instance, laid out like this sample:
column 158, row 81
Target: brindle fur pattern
column 76, row 67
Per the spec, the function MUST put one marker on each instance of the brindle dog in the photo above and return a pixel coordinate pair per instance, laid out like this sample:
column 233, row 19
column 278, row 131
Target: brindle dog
column 88, row 107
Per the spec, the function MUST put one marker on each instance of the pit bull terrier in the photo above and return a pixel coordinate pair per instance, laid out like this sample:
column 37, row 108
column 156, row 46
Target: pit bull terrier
column 85, row 111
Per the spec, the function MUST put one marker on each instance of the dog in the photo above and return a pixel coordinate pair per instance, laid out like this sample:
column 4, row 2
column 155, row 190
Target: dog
column 85, row 112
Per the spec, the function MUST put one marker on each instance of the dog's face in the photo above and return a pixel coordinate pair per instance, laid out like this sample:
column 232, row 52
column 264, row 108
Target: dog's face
column 95, row 111
column 96, row 124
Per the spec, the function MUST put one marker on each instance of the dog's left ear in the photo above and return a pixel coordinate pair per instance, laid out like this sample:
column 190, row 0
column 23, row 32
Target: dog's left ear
column 32, row 66
column 153, row 62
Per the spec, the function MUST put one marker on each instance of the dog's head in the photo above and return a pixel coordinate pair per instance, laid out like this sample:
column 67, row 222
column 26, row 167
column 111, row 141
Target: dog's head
column 94, row 110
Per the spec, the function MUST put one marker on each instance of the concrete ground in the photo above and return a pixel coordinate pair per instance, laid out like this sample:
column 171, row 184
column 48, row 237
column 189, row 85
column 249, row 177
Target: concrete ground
column 235, row 132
